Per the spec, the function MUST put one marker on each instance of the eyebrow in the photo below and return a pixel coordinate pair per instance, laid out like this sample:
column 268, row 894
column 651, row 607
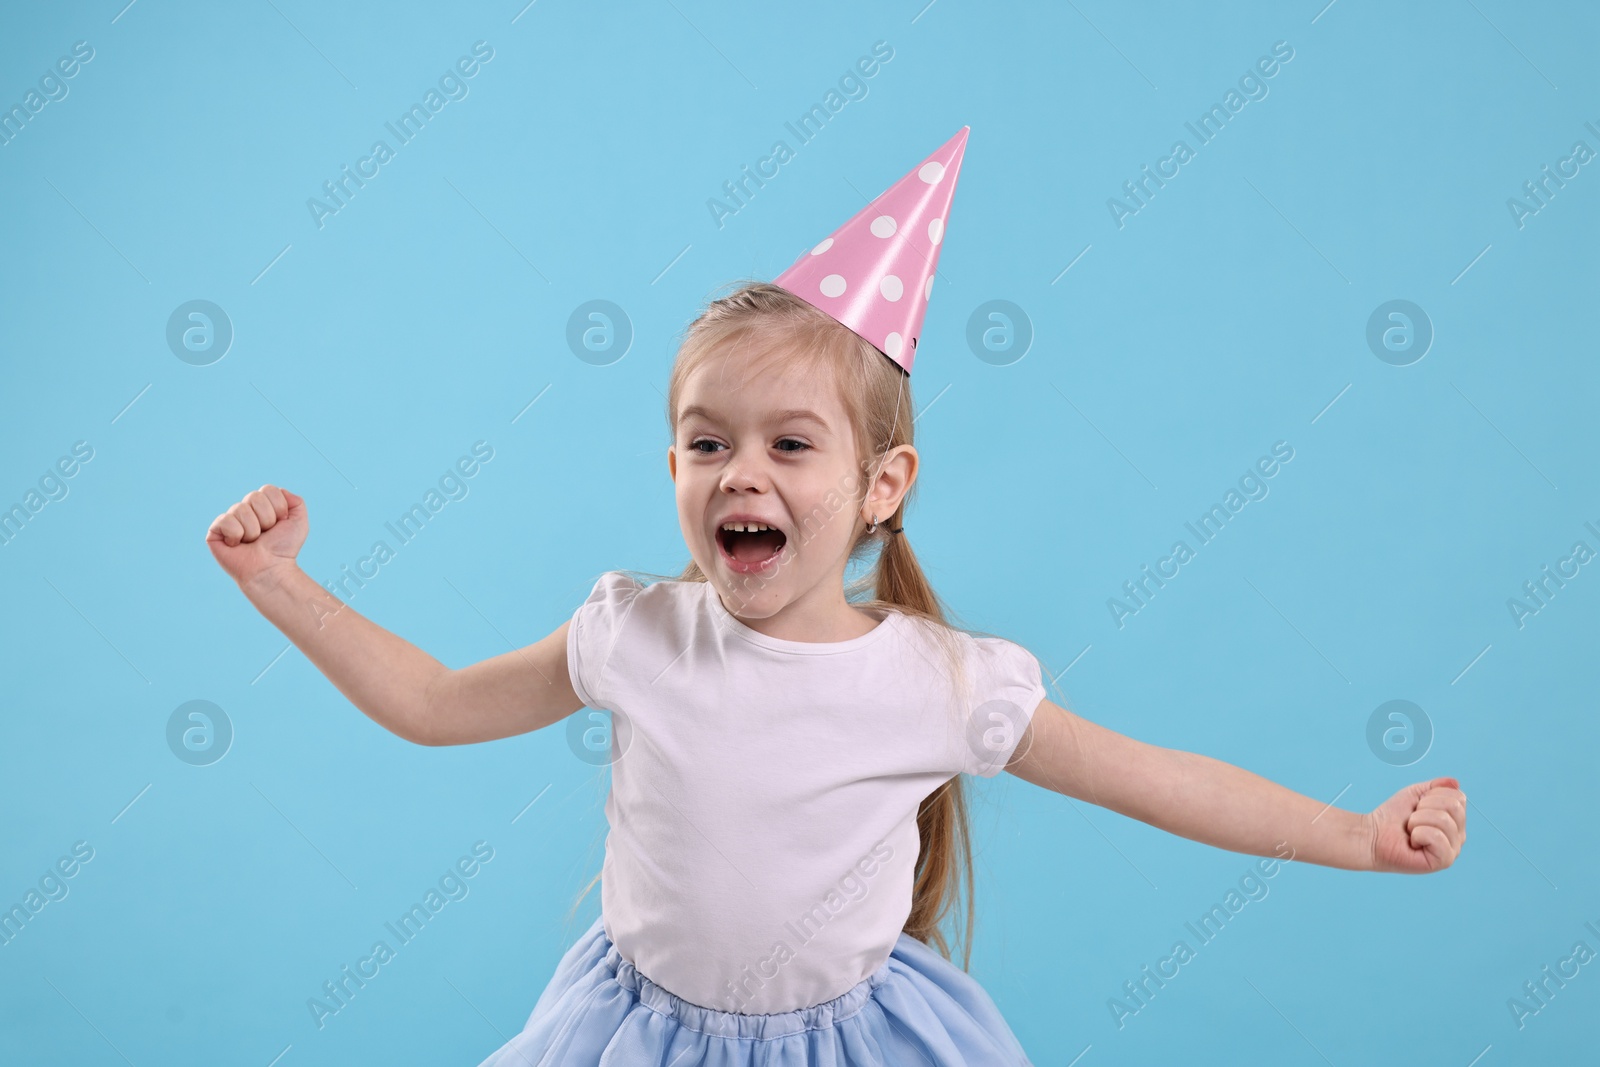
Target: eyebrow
column 786, row 415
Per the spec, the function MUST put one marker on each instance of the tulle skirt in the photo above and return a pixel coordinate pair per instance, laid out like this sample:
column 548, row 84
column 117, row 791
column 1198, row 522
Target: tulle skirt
column 918, row 1008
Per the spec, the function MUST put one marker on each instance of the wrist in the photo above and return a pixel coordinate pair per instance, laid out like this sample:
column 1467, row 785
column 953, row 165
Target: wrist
column 1363, row 835
column 269, row 579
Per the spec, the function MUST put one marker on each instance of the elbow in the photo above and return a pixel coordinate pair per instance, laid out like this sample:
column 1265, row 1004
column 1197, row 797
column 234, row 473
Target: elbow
column 420, row 735
column 424, row 731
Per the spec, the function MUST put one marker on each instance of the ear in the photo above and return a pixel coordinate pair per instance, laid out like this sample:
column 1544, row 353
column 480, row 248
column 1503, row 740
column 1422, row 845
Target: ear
column 672, row 462
column 897, row 473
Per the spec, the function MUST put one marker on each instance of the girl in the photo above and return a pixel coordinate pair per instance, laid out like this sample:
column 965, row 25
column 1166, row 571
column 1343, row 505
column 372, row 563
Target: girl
column 787, row 821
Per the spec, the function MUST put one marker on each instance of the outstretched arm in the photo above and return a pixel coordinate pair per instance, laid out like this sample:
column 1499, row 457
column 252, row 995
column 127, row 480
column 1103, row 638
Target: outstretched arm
column 394, row 682
column 1418, row 830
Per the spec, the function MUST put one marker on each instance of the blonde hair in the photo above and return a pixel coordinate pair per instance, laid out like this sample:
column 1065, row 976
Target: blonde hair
column 760, row 320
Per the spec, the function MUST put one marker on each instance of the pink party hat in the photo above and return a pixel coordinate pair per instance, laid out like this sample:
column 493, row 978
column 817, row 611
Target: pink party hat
column 875, row 273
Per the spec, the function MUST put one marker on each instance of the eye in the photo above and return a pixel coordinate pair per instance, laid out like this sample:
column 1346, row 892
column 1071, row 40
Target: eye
column 694, row 446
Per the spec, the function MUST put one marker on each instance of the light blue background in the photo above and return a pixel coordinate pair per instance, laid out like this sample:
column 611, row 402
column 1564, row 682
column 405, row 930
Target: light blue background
column 1228, row 314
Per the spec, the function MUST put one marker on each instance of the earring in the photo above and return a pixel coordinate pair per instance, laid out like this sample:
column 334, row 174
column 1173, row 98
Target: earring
column 874, row 527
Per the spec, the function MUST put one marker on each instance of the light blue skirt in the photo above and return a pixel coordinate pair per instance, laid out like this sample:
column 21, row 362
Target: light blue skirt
column 917, row 1009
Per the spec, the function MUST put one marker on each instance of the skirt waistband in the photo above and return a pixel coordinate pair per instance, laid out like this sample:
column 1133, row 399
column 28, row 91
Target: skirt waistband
column 715, row 1023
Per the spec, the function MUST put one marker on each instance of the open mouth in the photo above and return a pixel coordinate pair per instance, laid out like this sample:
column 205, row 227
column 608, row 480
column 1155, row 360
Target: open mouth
column 750, row 546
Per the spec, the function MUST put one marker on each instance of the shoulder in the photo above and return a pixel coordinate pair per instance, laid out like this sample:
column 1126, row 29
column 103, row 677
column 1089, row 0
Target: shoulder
column 622, row 612
column 1003, row 669
column 616, row 582
column 981, row 661
column 618, row 594
column 613, row 589
column 1001, row 688
column 992, row 646
column 984, row 649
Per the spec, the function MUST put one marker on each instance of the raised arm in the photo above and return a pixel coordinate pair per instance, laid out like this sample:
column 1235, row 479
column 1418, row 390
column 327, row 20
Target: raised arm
column 392, row 681
column 512, row 693
column 1419, row 829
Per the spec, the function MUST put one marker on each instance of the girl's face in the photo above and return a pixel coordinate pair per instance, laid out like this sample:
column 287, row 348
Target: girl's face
column 763, row 447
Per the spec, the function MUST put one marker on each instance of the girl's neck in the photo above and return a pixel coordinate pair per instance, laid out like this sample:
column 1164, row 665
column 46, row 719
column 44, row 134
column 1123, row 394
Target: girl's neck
column 829, row 621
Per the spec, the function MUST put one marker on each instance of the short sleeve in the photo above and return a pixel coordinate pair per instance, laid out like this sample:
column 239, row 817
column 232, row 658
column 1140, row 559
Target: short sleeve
column 593, row 632
column 1007, row 687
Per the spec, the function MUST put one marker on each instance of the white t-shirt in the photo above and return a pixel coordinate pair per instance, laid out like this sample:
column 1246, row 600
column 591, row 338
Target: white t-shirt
column 763, row 806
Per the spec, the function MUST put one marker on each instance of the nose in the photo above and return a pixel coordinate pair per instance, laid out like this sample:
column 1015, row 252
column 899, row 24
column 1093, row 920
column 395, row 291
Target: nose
column 745, row 470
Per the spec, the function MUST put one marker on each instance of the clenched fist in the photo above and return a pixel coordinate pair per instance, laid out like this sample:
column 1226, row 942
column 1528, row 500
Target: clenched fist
column 1420, row 829
column 260, row 532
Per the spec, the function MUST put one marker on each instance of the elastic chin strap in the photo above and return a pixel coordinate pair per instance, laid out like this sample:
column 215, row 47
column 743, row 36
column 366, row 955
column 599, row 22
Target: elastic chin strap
column 901, row 392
